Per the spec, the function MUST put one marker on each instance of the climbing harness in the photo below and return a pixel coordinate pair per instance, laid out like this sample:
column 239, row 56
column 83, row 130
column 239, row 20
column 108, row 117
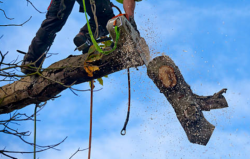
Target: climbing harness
column 117, row 31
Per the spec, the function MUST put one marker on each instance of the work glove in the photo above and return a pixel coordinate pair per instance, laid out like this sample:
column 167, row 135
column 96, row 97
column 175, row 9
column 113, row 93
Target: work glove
column 132, row 22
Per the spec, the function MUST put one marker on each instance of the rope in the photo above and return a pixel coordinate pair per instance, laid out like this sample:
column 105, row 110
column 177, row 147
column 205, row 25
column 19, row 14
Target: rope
column 123, row 131
column 91, row 116
column 37, row 105
column 93, row 8
column 117, row 31
column 116, row 7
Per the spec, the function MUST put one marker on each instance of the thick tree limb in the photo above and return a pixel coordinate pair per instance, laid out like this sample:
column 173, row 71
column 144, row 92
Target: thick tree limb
column 70, row 70
column 188, row 106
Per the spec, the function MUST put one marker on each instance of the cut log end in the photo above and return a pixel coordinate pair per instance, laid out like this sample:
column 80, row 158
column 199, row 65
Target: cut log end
column 167, row 76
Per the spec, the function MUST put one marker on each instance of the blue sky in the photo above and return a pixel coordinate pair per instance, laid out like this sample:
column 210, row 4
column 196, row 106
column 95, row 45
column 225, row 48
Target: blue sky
column 209, row 42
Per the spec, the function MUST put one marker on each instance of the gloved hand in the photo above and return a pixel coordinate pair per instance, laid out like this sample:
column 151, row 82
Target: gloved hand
column 132, row 22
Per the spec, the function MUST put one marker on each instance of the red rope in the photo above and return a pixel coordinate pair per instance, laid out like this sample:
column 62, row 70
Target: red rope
column 50, row 4
column 91, row 116
column 116, row 8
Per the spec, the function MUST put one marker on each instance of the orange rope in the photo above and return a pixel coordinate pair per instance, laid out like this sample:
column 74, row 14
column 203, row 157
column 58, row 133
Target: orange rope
column 91, row 116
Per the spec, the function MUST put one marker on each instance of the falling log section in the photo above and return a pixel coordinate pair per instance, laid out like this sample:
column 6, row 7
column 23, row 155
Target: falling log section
column 187, row 105
column 132, row 51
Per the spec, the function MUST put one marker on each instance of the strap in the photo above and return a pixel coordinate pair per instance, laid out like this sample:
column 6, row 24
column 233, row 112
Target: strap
column 116, row 7
column 50, row 4
column 119, row 15
column 123, row 131
column 117, row 31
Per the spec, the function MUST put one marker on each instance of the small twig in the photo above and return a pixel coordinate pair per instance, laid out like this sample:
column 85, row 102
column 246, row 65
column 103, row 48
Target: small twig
column 1, row 37
column 67, row 86
column 18, row 24
column 48, row 147
column 7, row 155
column 6, row 15
column 77, row 152
column 56, row 97
column 220, row 92
column 21, row 52
column 34, row 7
column 22, row 117
column 51, row 54
column 14, row 61
column 73, row 91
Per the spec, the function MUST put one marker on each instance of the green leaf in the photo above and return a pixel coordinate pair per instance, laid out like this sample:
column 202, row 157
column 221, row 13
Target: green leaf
column 107, row 43
column 106, row 76
column 94, row 57
column 100, row 80
column 91, row 49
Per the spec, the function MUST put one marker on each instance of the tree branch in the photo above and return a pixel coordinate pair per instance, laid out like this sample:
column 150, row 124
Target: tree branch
column 17, row 24
column 6, row 15
column 53, row 80
column 14, row 119
column 77, row 152
column 28, row 1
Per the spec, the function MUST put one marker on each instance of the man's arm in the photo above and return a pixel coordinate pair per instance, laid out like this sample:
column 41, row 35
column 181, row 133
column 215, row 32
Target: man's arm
column 129, row 7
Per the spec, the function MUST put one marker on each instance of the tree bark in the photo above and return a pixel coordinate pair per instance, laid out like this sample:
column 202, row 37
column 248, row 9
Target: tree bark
column 187, row 105
column 31, row 90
